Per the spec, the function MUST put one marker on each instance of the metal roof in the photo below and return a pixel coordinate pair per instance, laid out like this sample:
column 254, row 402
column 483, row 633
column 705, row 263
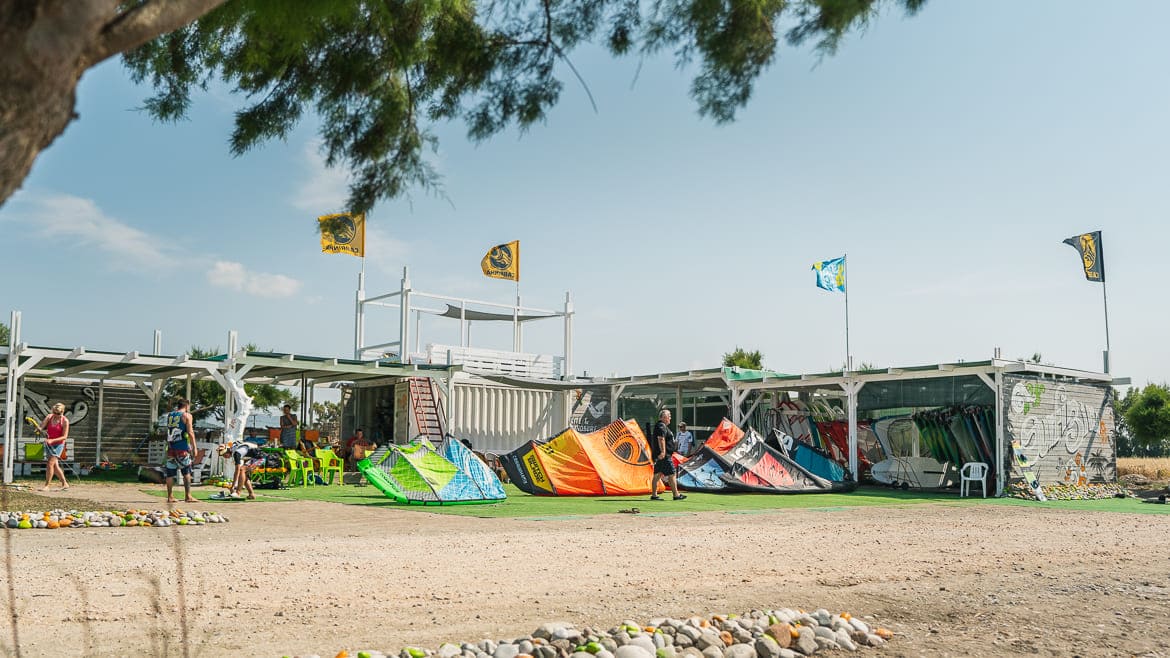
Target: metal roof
column 267, row 367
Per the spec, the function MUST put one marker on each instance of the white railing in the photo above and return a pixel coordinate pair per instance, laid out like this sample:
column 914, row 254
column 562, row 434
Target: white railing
column 496, row 362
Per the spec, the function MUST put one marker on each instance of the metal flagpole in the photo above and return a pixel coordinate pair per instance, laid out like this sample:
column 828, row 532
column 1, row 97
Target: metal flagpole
column 848, row 354
column 516, row 319
column 1105, row 298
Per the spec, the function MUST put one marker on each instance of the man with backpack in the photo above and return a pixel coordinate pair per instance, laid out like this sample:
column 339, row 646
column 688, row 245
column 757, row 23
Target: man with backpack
column 662, row 446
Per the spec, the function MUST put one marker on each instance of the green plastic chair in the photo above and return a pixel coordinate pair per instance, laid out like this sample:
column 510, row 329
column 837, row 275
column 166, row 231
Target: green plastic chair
column 298, row 466
column 330, row 464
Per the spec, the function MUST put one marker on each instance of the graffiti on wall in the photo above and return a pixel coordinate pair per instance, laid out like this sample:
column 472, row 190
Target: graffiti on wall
column 1066, row 430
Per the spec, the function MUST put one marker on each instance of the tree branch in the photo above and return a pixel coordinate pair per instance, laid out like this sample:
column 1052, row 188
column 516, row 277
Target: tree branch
column 144, row 22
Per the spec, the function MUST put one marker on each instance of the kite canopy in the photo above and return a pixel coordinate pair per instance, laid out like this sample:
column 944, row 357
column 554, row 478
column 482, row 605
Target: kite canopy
column 734, row 460
column 814, row 460
column 416, row 473
column 613, row 461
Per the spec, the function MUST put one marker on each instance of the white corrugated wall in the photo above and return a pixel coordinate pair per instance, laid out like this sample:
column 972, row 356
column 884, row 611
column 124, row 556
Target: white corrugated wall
column 500, row 419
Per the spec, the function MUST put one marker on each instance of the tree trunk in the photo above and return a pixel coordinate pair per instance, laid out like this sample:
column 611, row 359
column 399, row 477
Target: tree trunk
column 46, row 46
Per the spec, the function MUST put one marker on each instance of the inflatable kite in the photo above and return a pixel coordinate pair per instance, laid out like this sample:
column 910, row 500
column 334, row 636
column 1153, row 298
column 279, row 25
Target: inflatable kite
column 419, row 474
column 613, row 461
column 734, row 460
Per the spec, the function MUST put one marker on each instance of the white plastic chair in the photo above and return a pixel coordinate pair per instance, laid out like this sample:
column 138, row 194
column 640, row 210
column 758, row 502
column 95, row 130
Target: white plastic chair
column 972, row 472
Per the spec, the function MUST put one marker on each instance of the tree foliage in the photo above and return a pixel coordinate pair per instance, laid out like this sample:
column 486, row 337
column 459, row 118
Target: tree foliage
column 207, row 397
column 4, row 334
column 1147, row 419
column 328, row 418
column 380, row 75
column 741, row 358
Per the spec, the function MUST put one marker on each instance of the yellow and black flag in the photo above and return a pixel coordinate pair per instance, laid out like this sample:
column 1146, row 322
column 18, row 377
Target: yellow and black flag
column 1092, row 257
column 502, row 261
column 343, row 233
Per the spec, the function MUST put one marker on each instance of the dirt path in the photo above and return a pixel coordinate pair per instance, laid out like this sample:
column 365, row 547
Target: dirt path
column 305, row 577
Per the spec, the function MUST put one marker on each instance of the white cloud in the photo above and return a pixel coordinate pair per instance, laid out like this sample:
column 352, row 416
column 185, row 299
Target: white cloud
column 234, row 276
column 77, row 221
column 324, row 190
column 384, row 250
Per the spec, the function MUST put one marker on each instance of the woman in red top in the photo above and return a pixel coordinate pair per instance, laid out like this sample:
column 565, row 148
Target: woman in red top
column 56, row 428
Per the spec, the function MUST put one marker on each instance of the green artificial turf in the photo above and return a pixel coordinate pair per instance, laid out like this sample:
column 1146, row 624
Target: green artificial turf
column 521, row 505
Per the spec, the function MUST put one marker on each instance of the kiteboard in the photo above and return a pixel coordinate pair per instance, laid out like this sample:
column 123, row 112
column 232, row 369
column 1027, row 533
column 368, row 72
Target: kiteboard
column 1026, row 469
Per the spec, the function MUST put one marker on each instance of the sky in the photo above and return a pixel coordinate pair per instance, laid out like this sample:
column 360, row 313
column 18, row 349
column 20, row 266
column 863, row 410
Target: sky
column 948, row 154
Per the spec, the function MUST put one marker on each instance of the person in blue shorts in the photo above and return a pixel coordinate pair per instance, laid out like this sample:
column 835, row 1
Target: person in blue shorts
column 180, row 450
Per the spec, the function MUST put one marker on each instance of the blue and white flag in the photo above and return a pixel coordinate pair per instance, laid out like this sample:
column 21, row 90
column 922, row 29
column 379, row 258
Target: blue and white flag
column 831, row 274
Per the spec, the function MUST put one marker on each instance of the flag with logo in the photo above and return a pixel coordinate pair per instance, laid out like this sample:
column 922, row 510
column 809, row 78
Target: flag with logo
column 831, row 274
column 502, row 261
column 1092, row 257
column 343, row 233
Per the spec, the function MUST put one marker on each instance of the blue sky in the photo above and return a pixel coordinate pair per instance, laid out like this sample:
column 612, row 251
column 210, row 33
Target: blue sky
column 948, row 154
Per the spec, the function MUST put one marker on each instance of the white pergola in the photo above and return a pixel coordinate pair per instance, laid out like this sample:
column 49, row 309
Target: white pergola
column 151, row 372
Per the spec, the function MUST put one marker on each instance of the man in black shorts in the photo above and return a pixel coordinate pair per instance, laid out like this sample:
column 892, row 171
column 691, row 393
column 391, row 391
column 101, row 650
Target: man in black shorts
column 246, row 457
column 662, row 446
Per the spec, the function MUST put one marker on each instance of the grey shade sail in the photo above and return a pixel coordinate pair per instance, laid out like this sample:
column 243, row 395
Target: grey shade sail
column 482, row 316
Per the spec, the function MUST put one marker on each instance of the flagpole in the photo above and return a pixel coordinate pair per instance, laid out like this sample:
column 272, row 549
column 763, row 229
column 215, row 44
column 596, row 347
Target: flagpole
column 516, row 318
column 848, row 355
column 1105, row 298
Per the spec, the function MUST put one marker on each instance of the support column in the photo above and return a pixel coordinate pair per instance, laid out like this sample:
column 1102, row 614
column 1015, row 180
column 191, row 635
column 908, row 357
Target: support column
column 851, row 389
column 615, row 393
column 678, row 409
column 1000, row 472
column 568, row 353
column 11, row 384
column 100, row 418
column 404, row 319
column 737, row 398
column 996, row 385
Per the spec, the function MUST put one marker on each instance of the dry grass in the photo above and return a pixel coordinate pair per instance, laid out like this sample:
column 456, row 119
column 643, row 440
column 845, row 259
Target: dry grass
column 1155, row 468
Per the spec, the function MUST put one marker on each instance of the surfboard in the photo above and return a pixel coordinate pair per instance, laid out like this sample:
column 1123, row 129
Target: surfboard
column 915, row 472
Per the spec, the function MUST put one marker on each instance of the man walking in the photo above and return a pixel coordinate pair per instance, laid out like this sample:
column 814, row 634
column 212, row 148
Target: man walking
column 180, row 449
column 662, row 445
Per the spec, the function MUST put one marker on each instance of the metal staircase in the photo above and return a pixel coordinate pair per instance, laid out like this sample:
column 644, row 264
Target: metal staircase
column 428, row 409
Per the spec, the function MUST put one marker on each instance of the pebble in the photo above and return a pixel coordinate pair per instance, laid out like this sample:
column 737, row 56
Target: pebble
column 508, row 651
column 740, row 651
column 766, row 647
column 759, row 634
column 632, row 651
column 806, row 643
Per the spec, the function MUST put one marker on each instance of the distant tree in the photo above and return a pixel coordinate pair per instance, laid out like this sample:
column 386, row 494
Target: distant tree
column 865, row 365
column 1122, row 435
column 1147, row 420
column 3, row 334
column 741, row 358
column 207, row 397
column 328, row 417
column 1036, row 358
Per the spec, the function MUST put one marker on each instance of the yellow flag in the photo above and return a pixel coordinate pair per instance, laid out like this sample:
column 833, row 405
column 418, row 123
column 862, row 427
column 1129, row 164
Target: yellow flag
column 502, row 261
column 343, row 233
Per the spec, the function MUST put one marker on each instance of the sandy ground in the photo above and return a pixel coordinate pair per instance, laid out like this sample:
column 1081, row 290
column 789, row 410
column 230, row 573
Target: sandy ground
column 298, row 578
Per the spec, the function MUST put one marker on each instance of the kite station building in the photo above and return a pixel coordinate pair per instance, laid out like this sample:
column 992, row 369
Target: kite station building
column 909, row 426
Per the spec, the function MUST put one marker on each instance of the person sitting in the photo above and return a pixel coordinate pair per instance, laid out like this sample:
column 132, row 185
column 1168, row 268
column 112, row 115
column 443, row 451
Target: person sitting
column 357, row 448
